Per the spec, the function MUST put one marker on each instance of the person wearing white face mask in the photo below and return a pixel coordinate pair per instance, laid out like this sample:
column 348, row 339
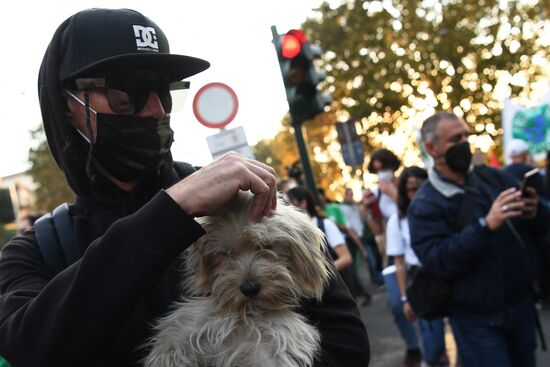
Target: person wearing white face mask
column 380, row 203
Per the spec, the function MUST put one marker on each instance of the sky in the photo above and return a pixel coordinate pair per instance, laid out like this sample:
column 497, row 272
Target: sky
column 234, row 36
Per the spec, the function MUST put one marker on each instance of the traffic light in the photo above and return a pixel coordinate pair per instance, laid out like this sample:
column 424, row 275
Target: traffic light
column 296, row 59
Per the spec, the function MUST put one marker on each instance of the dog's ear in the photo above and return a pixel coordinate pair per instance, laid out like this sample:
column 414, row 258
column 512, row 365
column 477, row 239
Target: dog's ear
column 199, row 266
column 311, row 264
column 204, row 280
column 306, row 247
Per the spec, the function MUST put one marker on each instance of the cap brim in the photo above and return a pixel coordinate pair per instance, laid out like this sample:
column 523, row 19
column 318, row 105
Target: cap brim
column 178, row 67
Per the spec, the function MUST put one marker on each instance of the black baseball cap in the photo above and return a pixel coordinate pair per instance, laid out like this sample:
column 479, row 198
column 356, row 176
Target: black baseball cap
column 97, row 41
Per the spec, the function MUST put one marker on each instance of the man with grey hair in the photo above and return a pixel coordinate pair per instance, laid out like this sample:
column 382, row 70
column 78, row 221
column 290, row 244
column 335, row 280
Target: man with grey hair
column 429, row 127
column 473, row 228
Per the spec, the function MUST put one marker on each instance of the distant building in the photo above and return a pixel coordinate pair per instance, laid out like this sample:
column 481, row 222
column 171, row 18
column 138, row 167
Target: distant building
column 21, row 192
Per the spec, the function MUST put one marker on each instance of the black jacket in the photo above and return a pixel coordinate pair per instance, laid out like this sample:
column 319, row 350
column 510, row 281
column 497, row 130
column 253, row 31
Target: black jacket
column 489, row 270
column 100, row 310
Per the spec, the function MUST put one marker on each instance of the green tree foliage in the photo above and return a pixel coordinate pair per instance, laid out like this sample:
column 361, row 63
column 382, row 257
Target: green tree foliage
column 324, row 152
column 52, row 188
column 391, row 61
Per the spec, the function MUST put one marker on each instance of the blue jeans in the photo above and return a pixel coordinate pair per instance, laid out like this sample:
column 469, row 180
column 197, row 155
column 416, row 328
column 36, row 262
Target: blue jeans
column 432, row 332
column 433, row 339
column 375, row 275
column 503, row 339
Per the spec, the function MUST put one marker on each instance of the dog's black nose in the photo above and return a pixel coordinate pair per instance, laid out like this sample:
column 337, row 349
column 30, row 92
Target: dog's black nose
column 250, row 288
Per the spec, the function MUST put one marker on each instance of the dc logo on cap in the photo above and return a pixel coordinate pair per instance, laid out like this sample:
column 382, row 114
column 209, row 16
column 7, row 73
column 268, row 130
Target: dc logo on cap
column 146, row 38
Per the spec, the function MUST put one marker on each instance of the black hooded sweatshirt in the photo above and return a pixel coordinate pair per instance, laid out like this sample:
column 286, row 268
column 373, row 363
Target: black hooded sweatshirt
column 99, row 311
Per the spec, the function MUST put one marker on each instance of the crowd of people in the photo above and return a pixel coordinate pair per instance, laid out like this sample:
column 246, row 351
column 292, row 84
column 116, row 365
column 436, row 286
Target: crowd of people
column 471, row 226
column 379, row 222
column 106, row 109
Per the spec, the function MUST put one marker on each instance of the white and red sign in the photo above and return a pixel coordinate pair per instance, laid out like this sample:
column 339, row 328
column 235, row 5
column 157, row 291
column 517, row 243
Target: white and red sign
column 215, row 105
column 229, row 140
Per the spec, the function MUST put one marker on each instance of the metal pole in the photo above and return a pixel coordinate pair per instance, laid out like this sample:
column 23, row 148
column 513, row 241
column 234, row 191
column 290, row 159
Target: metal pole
column 310, row 183
column 349, row 146
column 297, row 124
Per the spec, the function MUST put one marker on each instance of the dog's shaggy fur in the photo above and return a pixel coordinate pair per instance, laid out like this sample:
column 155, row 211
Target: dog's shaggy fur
column 245, row 281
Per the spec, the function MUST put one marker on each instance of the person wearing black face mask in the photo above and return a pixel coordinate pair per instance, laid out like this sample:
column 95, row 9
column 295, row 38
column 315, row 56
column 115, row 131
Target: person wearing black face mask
column 473, row 228
column 106, row 88
column 124, row 148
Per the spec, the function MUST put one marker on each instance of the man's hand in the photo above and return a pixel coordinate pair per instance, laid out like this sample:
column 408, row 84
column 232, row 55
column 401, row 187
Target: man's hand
column 361, row 248
column 357, row 242
column 408, row 311
column 208, row 189
column 531, row 203
column 508, row 204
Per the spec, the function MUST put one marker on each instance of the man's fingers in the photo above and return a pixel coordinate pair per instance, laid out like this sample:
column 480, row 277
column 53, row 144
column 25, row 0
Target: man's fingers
column 263, row 205
column 260, row 179
column 512, row 214
column 531, row 203
column 221, row 180
column 261, row 196
column 274, row 201
column 264, row 166
column 516, row 205
column 508, row 195
column 269, row 201
column 262, row 186
column 531, row 193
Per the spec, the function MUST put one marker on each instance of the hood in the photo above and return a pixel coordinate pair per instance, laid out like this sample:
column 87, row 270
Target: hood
column 70, row 151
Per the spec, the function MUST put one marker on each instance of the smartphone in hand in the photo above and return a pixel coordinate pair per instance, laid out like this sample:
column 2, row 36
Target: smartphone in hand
column 529, row 180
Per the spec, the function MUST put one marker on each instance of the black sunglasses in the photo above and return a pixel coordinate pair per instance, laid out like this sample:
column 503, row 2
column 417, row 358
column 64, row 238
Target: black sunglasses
column 128, row 94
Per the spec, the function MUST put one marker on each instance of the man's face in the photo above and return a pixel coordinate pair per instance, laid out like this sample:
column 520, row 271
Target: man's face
column 99, row 102
column 450, row 132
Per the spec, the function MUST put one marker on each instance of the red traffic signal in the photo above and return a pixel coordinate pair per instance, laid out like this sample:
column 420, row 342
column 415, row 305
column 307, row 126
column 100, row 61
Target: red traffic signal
column 291, row 43
column 300, row 76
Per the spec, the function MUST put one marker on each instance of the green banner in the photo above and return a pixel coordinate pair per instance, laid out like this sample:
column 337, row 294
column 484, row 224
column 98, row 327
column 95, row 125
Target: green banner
column 533, row 126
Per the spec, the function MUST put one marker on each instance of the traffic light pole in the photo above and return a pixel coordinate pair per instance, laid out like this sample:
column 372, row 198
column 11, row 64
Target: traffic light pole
column 308, row 175
column 297, row 69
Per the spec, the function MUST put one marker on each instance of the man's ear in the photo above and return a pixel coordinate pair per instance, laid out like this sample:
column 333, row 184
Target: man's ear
column 430, row 148
column 65, row 98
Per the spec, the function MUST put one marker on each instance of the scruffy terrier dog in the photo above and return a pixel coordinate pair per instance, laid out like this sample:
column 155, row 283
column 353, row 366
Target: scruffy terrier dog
column 245, row 280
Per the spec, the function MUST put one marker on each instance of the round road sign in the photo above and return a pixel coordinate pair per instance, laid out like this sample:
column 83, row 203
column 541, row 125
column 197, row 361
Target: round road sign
column 215, row 105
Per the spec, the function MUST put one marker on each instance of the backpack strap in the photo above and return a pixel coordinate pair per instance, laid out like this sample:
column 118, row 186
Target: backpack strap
column 54, row 238
column 329, row 250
